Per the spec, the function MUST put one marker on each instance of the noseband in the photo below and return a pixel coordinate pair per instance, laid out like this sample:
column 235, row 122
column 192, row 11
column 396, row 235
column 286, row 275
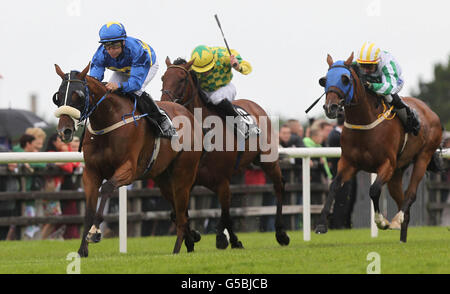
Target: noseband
column 172, row 96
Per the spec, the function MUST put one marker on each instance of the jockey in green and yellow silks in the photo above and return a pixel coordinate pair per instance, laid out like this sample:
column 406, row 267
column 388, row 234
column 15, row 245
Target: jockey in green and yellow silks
column 213, row 66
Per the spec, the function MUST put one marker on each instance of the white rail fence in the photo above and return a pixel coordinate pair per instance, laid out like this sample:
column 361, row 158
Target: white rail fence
column 305, row 153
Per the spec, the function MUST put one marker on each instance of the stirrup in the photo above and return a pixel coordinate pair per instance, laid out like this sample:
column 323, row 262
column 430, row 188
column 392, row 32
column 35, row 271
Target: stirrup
column 166, row 127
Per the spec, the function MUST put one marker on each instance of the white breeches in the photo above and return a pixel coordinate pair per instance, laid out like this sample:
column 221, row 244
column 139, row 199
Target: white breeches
column 225, row 92
column 119, row 77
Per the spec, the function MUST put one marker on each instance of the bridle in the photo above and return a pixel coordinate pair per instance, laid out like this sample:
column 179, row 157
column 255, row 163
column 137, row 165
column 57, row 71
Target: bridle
column 76, row 114
column 172, row 96
column 345, row 98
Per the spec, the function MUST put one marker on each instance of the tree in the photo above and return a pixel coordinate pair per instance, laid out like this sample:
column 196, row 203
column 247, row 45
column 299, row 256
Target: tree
column 437, row 93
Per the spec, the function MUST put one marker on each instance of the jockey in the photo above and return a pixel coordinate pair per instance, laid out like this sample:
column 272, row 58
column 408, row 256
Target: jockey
column 384, row 76
column 134, row 64
column 213, row 68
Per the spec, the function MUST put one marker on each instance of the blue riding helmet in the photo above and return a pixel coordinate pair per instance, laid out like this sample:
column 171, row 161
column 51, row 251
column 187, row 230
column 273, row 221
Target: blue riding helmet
column 112, row 31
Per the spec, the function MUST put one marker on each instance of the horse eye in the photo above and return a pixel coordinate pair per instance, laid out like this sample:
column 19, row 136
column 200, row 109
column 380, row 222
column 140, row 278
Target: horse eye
column 345, row 79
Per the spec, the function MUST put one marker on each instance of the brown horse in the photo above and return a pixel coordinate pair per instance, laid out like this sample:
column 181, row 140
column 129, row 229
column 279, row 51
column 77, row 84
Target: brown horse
column 125, row 154
column 377, row 143
column 216, row 168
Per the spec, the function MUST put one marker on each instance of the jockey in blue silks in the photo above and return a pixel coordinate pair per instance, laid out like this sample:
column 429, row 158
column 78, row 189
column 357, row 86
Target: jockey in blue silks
column 134, row 64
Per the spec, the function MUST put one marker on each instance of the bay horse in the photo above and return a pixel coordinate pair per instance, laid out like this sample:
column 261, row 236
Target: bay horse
column 124, row 152
column 373, row 140
column 216, row 168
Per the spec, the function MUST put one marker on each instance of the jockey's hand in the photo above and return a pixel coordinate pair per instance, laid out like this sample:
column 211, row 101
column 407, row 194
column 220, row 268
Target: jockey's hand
column 112, row 86
column 235, row 63
column 368, row 85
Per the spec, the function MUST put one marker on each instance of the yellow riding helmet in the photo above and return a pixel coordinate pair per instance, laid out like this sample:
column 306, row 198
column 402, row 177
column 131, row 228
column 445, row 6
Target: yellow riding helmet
column 204, row 58
column 369, row 54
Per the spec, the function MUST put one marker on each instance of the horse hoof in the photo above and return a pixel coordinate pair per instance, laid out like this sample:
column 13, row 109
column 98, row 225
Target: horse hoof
column 221, row 241
column 83, row 252
column 282, row 239
column 196, row 236
column 94, row 238
column 321, row 229
column 381, row 222
column 237, row 245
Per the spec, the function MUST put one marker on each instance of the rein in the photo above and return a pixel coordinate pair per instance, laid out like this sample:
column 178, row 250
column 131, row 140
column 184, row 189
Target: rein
column 79, row 116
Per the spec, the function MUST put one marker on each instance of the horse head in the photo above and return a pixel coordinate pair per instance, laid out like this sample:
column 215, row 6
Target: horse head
column 176, row 82
column 72, row 100
column 339, row 86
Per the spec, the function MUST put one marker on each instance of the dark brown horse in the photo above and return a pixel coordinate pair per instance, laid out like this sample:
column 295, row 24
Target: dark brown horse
column 216, row 168
column 125, row 154
column 377, row 143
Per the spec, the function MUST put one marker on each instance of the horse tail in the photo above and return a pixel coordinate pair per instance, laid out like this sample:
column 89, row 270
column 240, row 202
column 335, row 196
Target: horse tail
column 436, row 163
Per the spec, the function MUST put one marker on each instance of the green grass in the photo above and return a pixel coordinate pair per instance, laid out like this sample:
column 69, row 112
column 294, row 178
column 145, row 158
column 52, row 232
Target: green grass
column 344, row 252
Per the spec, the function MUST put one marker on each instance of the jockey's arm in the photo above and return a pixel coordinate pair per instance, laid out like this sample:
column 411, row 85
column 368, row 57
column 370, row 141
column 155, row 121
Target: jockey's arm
column 390, row 82
column 97, row 65
column 136, row 79
column 244, row 66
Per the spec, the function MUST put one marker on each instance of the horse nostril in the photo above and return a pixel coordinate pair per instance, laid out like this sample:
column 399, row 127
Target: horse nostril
column 334, row 107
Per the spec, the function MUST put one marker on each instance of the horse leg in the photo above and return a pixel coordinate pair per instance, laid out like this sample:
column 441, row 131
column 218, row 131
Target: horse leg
column 273, row 171
column 344, row 174
column 177, row 193
column 420, row 167
column 384, row 174
column 225, row 221
column 395, row 187
column 91, row 183
column 122, row 176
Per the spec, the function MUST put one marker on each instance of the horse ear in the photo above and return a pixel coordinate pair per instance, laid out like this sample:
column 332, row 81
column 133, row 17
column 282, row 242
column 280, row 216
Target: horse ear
column 59, row 71
column 349, row 60
column 168, row 63
column 85, row 71
column 189, row 64
column 329, row 60
column 323, row 81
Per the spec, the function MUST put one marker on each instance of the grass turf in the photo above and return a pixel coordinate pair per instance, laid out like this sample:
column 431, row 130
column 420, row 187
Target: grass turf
column 343, row 252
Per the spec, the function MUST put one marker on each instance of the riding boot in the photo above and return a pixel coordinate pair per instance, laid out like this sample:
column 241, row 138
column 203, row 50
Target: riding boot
column 407, row 116
column 226, row 108
column 165, row 125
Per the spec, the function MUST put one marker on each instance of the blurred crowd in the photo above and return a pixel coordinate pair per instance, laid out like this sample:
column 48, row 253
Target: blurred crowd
column 54, row 177
column 42, row 177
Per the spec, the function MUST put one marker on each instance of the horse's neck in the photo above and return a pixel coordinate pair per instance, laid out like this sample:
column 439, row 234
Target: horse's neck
column 198, row 103
column 363, row 110
column 109, row 110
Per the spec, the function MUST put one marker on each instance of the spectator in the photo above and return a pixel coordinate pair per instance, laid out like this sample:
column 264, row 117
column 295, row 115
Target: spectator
column 445, row 216
column 345, row 197
column 30, row 143
column 296, row 127
column 72, row 182
column 8, row 208
column 53, row 184
column 316, row 139
column 289, row 139
column 320, row 172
